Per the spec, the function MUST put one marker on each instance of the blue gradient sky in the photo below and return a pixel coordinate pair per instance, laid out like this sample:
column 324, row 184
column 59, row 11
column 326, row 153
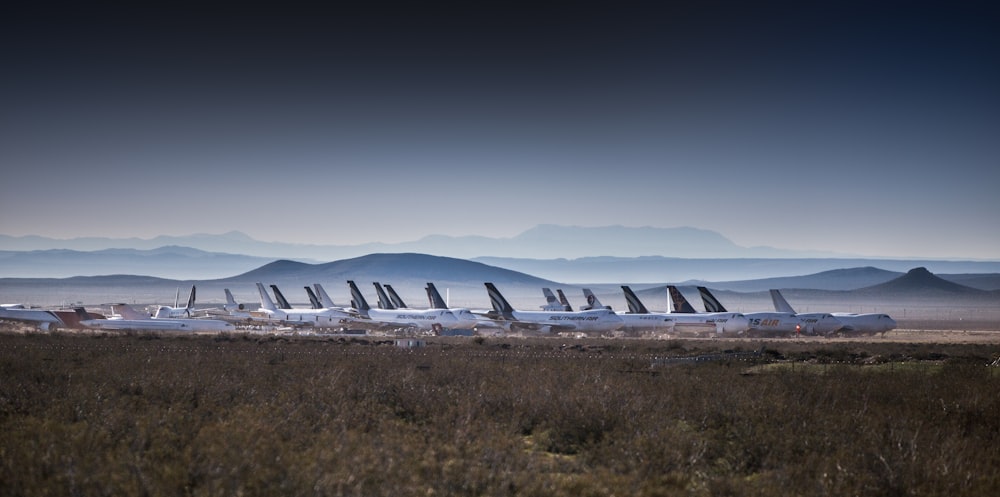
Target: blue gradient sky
column 836, row 126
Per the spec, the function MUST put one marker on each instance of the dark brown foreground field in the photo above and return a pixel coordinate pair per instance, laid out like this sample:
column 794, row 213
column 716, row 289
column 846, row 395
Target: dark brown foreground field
column 261, row 415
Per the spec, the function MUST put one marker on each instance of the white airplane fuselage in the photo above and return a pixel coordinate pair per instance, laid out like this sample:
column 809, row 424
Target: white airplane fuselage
column 646, row 322
column 819, row 323
column 38, row 317
column 424, row 319
column 865, row 323
column 719, row 322
column 167, row 312
column 787, row 322
column 314, row 317
column 596, row 320
column 159, row 324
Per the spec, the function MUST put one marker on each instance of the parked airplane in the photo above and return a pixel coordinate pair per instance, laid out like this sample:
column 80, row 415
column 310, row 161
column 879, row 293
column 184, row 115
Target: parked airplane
column 859, row 323
column 143, row 322
column 45, row 320
column 692, row 321
column 231, row 311
column 637, row 318
column 325, row 317
column 176, row 311
column 596, row 320
column 777, row 322
column 424, row 319
column 466, row 319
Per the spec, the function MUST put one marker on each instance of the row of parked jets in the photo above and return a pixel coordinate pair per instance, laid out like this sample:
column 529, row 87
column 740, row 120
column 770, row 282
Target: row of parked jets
column 556, row 316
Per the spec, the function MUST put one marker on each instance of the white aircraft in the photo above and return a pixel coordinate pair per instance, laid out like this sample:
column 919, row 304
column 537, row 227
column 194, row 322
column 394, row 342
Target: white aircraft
column 687, row 319
column 859, row 323
column 45, row 320
column 638, row 318
column 165, row 311
column 424, row 319
column 596, row 320
column 231, row 311
column 325, row 317
column 132, row 319
column 466, row 319
column 777, row 322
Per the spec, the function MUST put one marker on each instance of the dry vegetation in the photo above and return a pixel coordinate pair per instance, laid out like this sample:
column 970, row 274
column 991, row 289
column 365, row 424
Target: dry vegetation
column 260, row 415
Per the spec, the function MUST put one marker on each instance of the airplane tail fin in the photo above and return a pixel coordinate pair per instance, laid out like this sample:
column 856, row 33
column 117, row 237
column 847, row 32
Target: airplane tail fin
column 323, row 297
column 313, row 299
column 680, row 304
column 394, row 298
column 592, row 302
column 635, row 306
column 551, row 302
column 190, row 305
column 357, row 299
column 231, row 304
column 780, row 304
column 265, row 300
column 712, row 304
column 280, row 298
column 500, row 304
column 435, row 298
column 383, row 299
column 563, row 300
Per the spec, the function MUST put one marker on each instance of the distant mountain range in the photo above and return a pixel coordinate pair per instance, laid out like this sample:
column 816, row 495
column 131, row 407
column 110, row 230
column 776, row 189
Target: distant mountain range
column 732, row 273
column 463, row 279
column 544, row 241
column 36, row 270
column 168, row 262
column 184, row 263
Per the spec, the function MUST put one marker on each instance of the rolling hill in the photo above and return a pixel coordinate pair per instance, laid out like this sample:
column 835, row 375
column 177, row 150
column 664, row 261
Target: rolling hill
column 919, row 282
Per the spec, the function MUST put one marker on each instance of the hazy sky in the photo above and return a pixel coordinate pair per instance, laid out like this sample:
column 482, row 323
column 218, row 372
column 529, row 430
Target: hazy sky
column 867, row 127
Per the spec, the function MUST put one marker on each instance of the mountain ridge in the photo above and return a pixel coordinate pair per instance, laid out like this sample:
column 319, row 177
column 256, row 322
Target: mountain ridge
column 540, row 241
column 409, row 273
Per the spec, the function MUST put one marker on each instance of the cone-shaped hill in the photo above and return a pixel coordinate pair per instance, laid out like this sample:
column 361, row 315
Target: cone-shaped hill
column 919, row 282
column 397, row 269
